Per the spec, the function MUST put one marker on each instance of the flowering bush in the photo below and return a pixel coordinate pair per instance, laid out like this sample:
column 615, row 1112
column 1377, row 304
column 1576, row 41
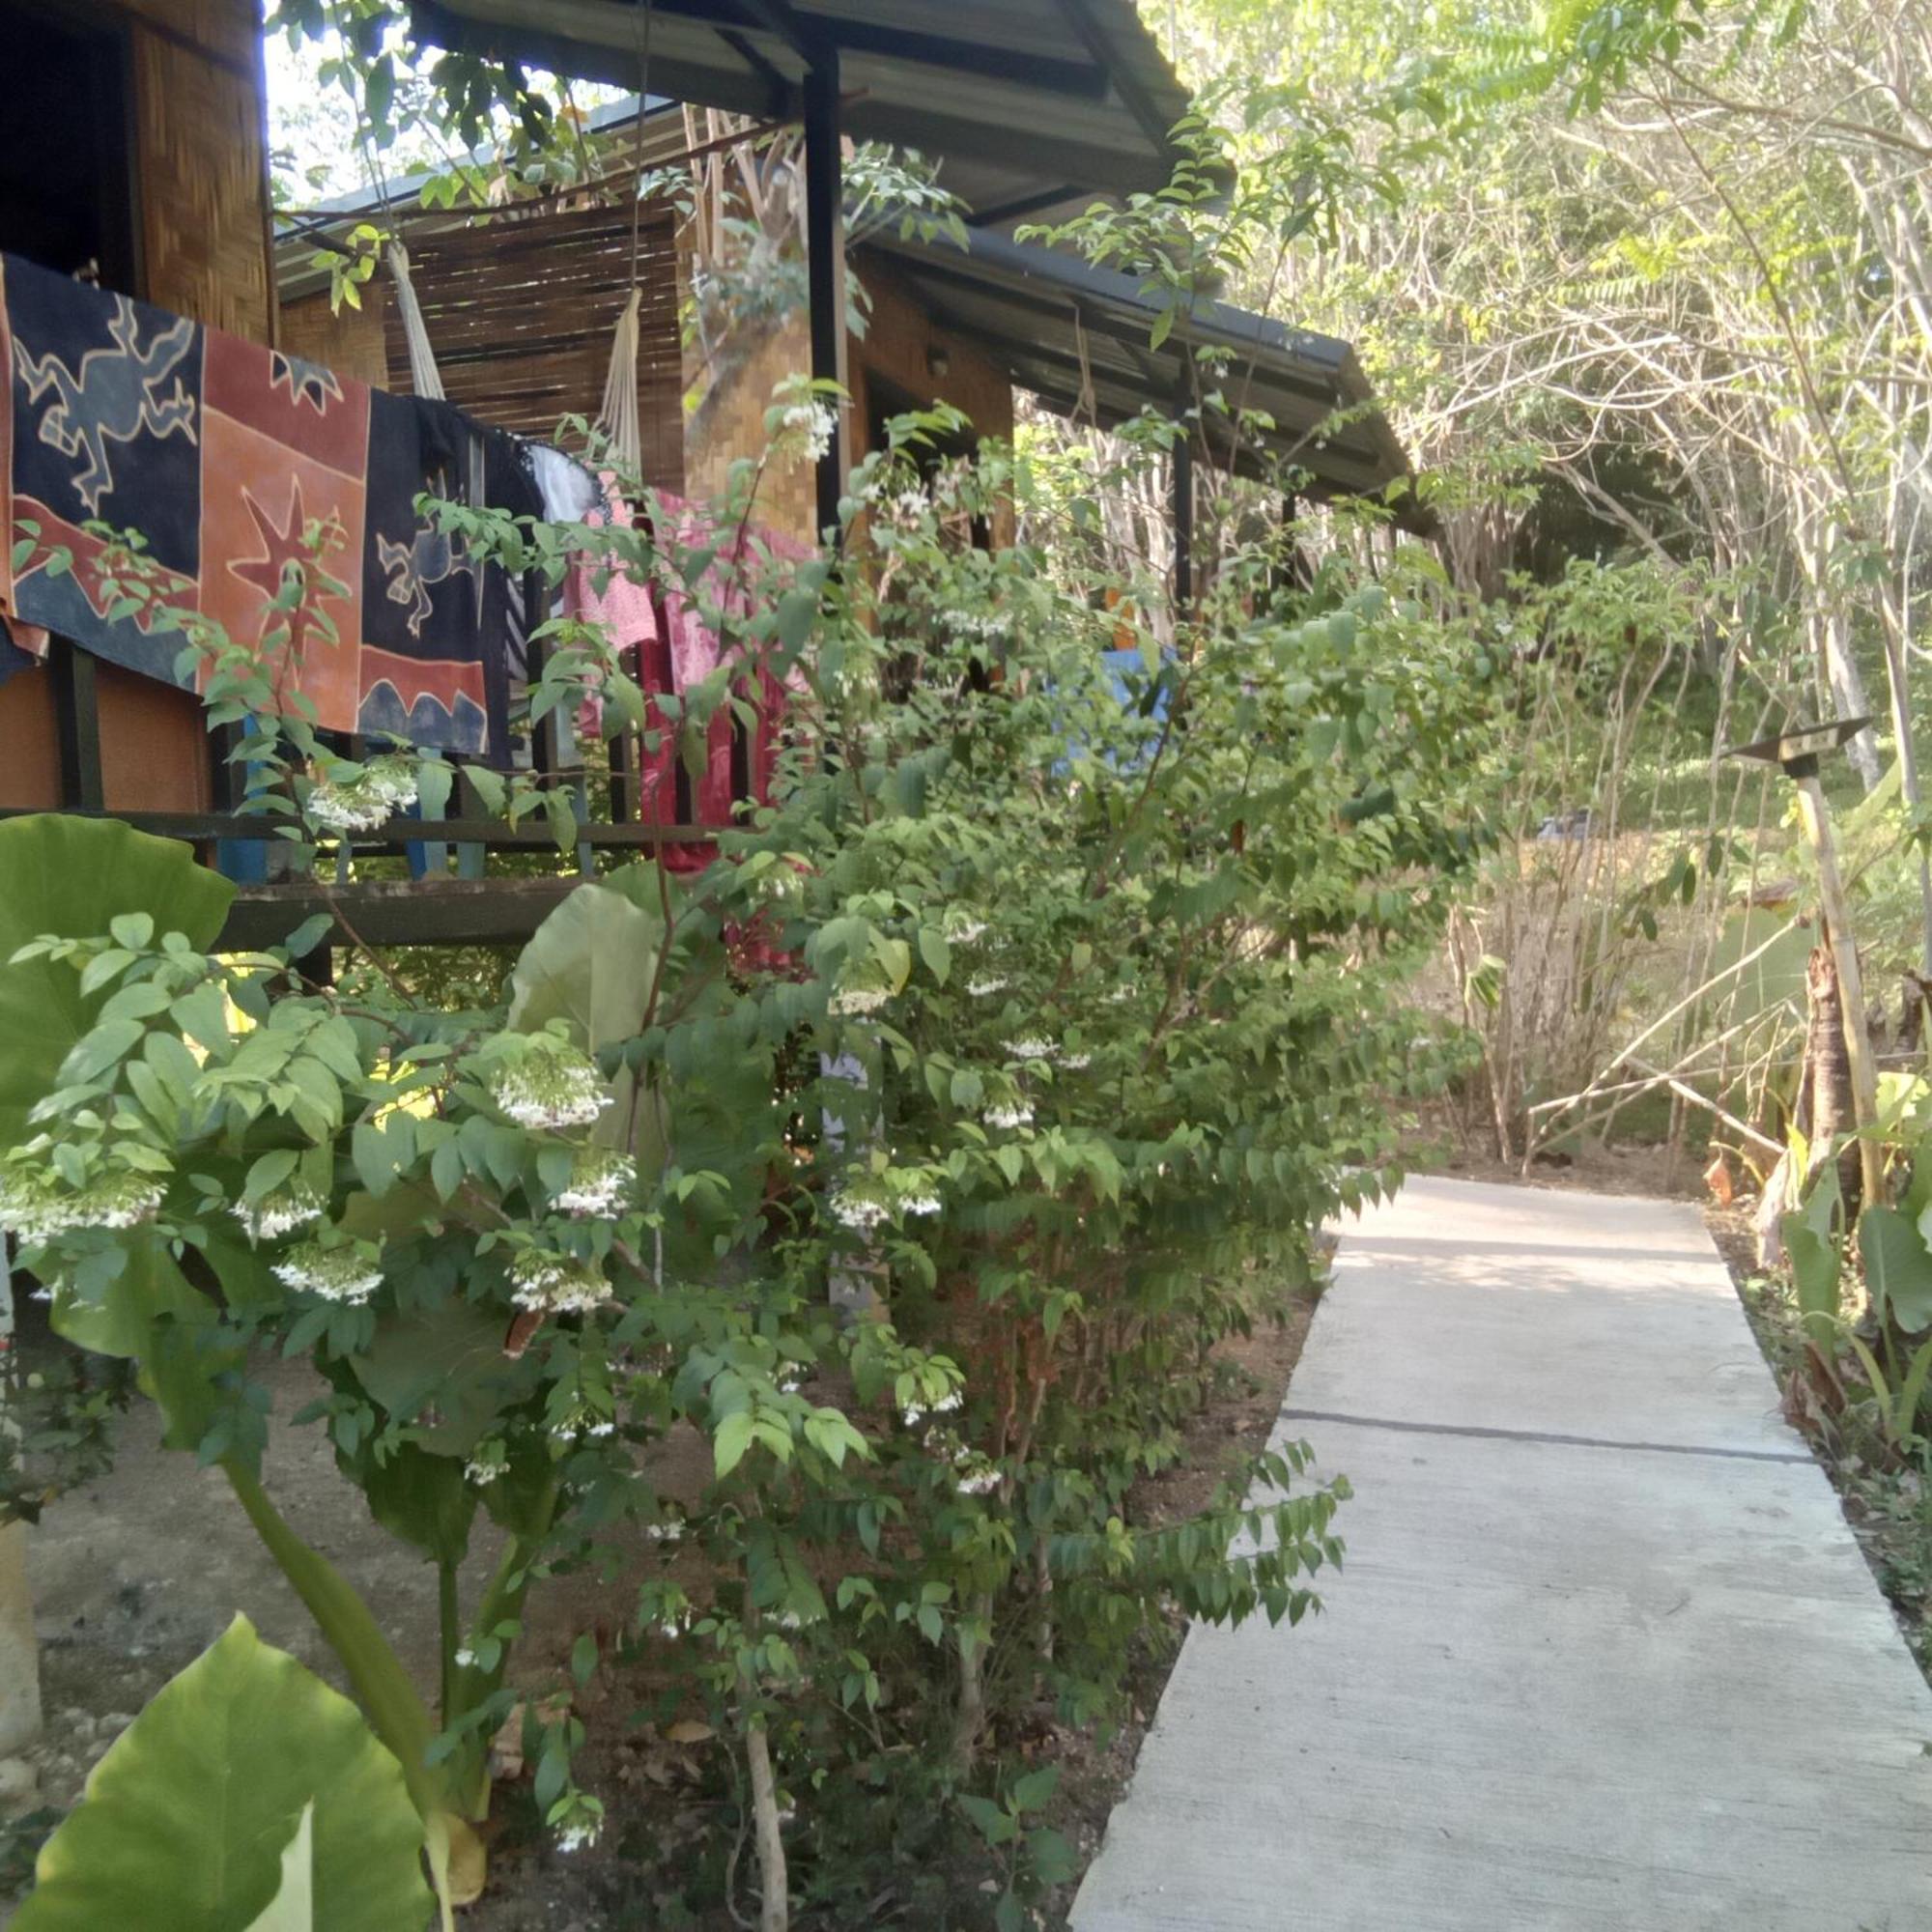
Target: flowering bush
column 916, row 1153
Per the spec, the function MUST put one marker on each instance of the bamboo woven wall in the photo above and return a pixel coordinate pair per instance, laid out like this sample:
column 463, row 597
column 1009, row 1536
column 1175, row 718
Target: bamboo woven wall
column 201, row 160
column 520, row 313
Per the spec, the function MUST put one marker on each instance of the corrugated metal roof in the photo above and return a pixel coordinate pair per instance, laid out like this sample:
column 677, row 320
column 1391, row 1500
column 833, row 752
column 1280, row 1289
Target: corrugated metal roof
column 1078, row 338
column 1026, row 102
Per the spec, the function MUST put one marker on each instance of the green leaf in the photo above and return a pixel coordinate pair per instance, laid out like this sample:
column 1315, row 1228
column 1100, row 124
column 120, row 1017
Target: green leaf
column 187, row 1819
column 114, row 1298
column 1810, row 1240
column 733, row 1438
column 1899, row 1270
column 935, row 951
column 1030, row 1792
column 895, row 957
column 308, row 935
column 293, row 1907
column 993, row 1823
column 591, row 963
column 1051, row 1857
column 74, row 878
column 269, row 1173
column 451, row 1359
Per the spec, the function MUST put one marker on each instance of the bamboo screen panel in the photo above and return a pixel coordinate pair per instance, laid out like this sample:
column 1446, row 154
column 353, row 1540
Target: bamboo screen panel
column 520, row 313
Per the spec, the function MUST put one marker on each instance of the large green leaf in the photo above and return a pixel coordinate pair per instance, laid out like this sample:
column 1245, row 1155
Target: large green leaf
column 114, row 1297
column 1899, row 1269
column 1811, row 1242
column 71, row 877
column 592, row 964
column 187, row 1819
column 293, row 1907
column 451, row 1358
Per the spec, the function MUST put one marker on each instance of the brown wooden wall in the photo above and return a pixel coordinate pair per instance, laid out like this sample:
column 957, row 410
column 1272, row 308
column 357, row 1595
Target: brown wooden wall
column 201, row 217
column 354, row 342
column 201, row 147
column 898, row 345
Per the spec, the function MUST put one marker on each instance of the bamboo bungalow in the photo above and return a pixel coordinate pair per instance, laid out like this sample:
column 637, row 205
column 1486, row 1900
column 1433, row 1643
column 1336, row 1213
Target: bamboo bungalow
column 1027, row 106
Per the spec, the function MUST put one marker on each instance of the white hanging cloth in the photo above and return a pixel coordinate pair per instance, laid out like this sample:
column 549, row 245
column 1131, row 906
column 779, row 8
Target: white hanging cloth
column 618, row 418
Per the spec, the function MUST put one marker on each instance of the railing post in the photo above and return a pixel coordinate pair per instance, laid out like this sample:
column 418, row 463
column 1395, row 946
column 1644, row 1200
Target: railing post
column 825, row 262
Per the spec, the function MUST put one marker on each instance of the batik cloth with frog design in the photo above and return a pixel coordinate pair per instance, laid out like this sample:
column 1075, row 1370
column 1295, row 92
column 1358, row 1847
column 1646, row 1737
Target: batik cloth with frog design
column 237, row 466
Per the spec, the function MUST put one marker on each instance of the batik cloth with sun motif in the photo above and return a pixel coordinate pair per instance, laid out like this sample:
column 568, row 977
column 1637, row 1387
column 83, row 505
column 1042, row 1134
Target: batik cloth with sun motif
column 222, row 454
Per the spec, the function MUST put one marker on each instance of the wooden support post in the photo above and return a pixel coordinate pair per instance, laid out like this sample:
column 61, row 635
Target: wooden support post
column 78, row 719
column 825, row 262
column 20, row 1653
column 1183, row 518
column 1851, row 987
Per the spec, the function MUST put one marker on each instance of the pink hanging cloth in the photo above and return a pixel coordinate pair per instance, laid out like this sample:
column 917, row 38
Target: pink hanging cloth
column 662, row 636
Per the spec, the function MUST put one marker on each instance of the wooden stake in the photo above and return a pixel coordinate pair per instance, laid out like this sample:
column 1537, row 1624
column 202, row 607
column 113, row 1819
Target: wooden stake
column 1839, row 931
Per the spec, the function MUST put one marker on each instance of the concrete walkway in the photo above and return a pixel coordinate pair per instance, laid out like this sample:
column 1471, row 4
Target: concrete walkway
column 1605, row 1654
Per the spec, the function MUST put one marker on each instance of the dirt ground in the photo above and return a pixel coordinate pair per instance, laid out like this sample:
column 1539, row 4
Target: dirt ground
column 134, row 1573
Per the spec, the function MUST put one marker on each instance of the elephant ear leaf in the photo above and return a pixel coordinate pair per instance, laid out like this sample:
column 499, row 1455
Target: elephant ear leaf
column 592, row 964
column 293, row 1907
column 1899, row 1269
column 195, row 1819
column 73, row 878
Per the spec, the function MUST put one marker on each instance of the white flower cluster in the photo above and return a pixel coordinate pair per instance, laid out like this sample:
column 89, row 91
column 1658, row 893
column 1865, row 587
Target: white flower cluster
column 583, row 1422
column 600, row 1184
column 986, row 625
column 980, row 1483
column 669, row 1530
column 553, row 1085
column 1031, row 1049
column 1008, row 1117
column 921, row 1204
column 558, row 1285
column 858, row 999
column 466, row 1658
column 335, row 1275
column 860, row 1216
column 278, row 1214
column 482, row 1474
column 1073, row 1061
column 578, row 1835
column 35, row 1207
column 982, row 989
column 806, row 429
column 915, row 1412
column 969, row 934
column 368, row 799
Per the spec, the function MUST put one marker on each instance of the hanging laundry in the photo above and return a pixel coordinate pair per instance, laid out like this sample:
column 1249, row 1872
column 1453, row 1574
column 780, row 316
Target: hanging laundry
column 740, row 571
column 220, row 453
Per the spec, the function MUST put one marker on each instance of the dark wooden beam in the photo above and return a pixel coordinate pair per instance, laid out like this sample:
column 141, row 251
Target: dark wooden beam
column 1183, row 511
column 450, row 912
column 1156, row 122
column 825, row 260
column 399, row 833
column 77, row 724
column 1024, row 204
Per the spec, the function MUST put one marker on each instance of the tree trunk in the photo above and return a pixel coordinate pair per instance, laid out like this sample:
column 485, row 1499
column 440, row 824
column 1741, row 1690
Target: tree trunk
column 1828, row 1072
column 774, row 1901
column 970, row 1713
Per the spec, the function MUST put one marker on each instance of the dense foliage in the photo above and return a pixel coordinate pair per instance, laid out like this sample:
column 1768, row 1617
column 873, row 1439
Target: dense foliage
column 914, row 1155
